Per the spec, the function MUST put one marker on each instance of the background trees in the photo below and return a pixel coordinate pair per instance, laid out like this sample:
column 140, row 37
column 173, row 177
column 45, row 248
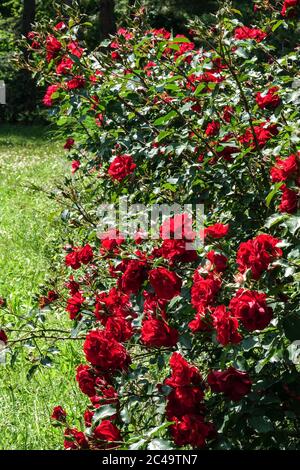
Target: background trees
column 16, row 16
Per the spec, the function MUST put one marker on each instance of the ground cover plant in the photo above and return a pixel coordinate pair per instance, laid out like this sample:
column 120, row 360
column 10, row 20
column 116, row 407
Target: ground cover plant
column 183, row 348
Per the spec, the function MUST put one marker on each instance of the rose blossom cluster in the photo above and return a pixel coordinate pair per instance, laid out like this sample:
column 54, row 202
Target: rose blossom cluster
column 106, row 346
column 287, row 171
column 185, row 406
column 133, row 311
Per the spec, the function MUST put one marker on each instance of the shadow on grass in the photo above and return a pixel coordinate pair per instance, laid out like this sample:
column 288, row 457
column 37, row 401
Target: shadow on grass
column 12, row 135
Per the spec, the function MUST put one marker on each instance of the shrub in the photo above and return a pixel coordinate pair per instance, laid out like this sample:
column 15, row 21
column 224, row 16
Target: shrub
column 183, row 347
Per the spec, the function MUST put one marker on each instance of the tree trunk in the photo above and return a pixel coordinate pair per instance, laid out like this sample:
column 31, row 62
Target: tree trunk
column 28, row 16
column 107, row 18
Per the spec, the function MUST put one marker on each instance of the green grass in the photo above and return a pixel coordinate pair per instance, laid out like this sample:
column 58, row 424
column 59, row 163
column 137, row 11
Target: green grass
column 29, row 223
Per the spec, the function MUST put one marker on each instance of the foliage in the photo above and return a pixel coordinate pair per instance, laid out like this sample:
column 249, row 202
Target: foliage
column 183, row 348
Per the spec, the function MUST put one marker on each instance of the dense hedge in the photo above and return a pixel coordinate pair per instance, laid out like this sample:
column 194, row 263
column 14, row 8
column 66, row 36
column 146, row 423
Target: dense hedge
column 183, row 347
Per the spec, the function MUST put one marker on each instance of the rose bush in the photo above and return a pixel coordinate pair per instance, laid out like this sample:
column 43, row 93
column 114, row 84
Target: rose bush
column 183, row 347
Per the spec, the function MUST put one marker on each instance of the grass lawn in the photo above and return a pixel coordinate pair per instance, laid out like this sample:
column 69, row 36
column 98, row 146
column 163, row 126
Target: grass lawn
column 29, row 223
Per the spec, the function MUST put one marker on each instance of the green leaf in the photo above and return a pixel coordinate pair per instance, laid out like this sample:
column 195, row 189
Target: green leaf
column 159, row 428
column 250, row 343
column 162, row 135
column 276, row 25
column 159, row 444
column 261, row 424
column 62, row 120
column 104, row 411
column 293, row 224
column 234, row 10
column 275, row 219
column 137, row 445
column 165, row 119
column 291, row 326
column 241, row 53
column 271, row 195
column 31, row 371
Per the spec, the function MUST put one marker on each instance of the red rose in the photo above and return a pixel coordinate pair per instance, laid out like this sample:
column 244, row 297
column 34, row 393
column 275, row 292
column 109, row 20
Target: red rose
column 75, row 165
column 105, row 353
column 206, row 77
column 251, row 308
column 52, row 296
column 191, row 430
column 77, row 82
column 216, row 231
column 154, row 305
column 106, row 394
column 85, row 254
column 178, row 227
column 114, row 303
column 99, row 119
column 59, row 26
column 285, row 169
column 105, row 432
column 119, row 329
column 288, row 8
column 75, row 439
column 226, row 326
column 121, row 166
column 75, row 49
column 257, row 254
column 88, row 416
column 48, row 98
column 165, row 283
column 86, row 380
column 157, row 333
column 74, row 305
column 69, row 143
column 3, row 336
column 125, row 33
column 228, row 113
column 72, row 259
column 204, row 290
column 111, row 239
column 133, row 277
column 31, row 35
column 183, row 400
column 79, row 256
column 234, row 383
column 176, row 251
column 269, row 99
column 64, row 66
column 212, row 128
column 72, row 285
column 289, row 200
column 290, row 166
column 218, row 261
column 94, row 386
column 53, row 47
column 250, row 33
column 184, row 48
column 162, row 32
column 183, row 374
column 187, row 385
column 263, row 132
column 59, row 414
column 201, row 322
